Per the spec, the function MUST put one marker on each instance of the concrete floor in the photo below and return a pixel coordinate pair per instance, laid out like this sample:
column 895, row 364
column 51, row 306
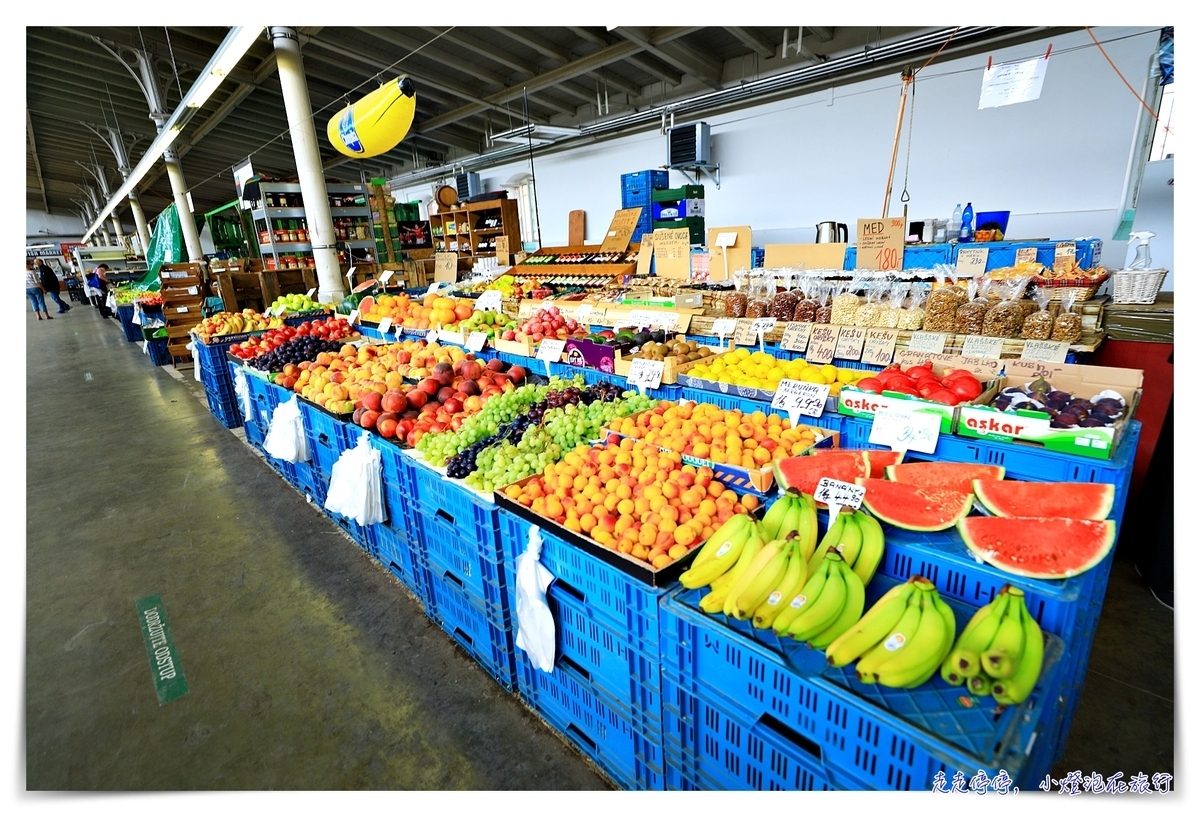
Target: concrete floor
column 310, row 666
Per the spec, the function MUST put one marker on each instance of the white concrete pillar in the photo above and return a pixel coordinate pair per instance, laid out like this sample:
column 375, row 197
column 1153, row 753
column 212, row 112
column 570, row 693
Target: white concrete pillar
column 308, row 163
column 191, row 237
column 139, row 216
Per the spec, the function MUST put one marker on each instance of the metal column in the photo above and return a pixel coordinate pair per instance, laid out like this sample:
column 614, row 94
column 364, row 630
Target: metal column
column 308, row 163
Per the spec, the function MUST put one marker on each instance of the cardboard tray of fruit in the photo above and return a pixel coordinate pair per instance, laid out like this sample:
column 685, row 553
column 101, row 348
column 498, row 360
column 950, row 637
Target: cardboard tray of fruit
column 758, row 480
column 342, row 416
column 673, row 365
column 855, row 401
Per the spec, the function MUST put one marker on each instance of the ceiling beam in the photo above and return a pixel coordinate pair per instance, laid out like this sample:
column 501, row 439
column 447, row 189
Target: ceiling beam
column 562, row 55
column 634, row 60
column 184, row 56
column 753, row 41
column 822, row 33
column 37, row 164
column 703, row 68
column 488, row 53
column 392, row 37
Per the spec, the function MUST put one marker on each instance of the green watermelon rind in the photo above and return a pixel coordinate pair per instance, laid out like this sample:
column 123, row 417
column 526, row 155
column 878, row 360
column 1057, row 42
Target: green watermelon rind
column 945, row 522
column 991, row 556
column 1100, row 513
column 997, row 470
column 808, row 461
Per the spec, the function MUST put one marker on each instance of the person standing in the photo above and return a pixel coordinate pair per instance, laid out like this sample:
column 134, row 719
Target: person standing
column 51, row 285
column 33, row 289
column 97, row 285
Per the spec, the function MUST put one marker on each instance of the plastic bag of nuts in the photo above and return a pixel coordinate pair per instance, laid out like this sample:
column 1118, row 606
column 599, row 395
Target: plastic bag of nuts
column 783, row 305
column 912, row 316
column 824, row 313
column 762, row 290
column 943, row 304
column 845, row 304
column 968, row 318
column 735, row 305
column 1004, row 320
column 888, row 316
column 806, row 307
column 1068, row 326
column 868, row 313
column 1039, row 325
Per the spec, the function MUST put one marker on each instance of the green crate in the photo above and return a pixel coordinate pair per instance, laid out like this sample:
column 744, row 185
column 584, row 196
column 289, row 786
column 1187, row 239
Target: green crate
column 688, row 191
column 694, row 225
column 407, row 211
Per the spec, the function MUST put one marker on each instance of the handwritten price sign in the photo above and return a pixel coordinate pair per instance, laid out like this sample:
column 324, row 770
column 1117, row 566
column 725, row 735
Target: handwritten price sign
column 476, row 341
column 649, row 318
column 981, row 346
column 795, row 336
column 1051, row 351
column 489, row 301
column 645, row 374
column 837, row 495
column 902, row 429
column 431, row 336
column 550, row 351
column 822, row 344
column 745, row 335
column 933, row 343
column 799, row 398
column 850, row 343
column 385, row 326
column 724, row 327
column 879, row 346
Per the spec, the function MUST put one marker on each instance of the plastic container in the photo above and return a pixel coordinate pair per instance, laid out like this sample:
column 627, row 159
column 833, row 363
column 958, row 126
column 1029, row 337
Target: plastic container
column 485, row 632
column 399, row 489
column 402, row 558
column 993, row 220
column 966, row 231
column 459, row 508
column 476, row 566
column 327, row 438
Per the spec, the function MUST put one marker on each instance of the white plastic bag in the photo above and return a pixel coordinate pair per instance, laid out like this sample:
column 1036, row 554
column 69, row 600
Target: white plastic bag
column 242, row 389
column 285, row 438
column 191, row 347
column 356, row 484
column 535, row 624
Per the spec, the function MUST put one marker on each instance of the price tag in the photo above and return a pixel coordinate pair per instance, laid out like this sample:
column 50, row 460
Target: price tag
column 933, row 343
column 649, row 318
column 980, row 346
column 490, row 301
column 1064, row 254
column 431, row 336
column 550, row 351
column 971, row 261
column 385, row 325
column 881, row 243
column 822, row 343
column 762, row 326
column 433, row 288
column 193, row 291
column 583, row 314
column 181, row 309
column 350, row 275
column 903, row 429
column 795, row 336
column 879, row 346
column 837, row 495
column 745, row 335
column 1050, row 351
column 1026, row 255
column 353, row 317
column 799, row 398
column 476, row 341
column 526, row 310
column 850, row 343
column 645, row 374
column 312, row 293
column 724, row 327
column 386, row 276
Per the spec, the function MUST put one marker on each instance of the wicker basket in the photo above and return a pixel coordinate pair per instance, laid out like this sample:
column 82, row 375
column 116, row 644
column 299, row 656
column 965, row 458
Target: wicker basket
column 1084, row 288
column 1137, row 286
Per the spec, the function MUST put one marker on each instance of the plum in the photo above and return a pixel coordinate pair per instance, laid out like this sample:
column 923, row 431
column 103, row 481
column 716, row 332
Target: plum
column 1091, row 422
column 1064, row 421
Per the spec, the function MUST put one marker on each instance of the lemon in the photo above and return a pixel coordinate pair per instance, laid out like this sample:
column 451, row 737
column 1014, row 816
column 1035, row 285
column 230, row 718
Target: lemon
column 829, row 371
column 812, row 375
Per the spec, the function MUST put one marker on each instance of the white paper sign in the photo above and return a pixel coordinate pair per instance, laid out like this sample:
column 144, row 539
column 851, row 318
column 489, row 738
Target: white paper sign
column 582, row 314
column 724, row 327
column 386, row 276
column 798, row 399
column 489, row 301
column 645, row 374
column 431, row 336
column 433, row 288
column 550, row 351
column 353, row 317
column 837, row 495
column 903, row 429
column 385, row 325
column 971, row 261
column 982, row 346
column 193, row 291
column 312, row 292
column 350, row 275
column 476, row 341
column 726, row 239
column 649, row 318
column 1012, row 82
column 1050, row 351
column 763, row 325
column 181, row 309
column 933, row 343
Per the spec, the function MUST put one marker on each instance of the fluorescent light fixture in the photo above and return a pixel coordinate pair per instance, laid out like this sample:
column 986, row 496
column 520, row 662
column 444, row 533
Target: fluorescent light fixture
column 535, row 133
column 228, row 54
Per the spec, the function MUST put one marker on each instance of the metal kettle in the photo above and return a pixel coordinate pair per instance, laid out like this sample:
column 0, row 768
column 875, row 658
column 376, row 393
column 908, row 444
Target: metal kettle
column 832, row 232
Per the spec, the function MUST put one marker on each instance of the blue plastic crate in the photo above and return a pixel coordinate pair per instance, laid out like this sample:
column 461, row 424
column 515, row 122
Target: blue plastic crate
column 484, row 632
column 926, row 256
column 618, row 739
column 371, row 332
column 255, row 434
column 477, row 565
column 616, row 598
column 327, row 437
column 133, row 332
column 458, row 507
column 157, row 349
column 354, row 530
column 598, row 652
column 640, row 183
column 712, row 747
column 1004, row 253
column 402, row 558
column 399, row 488
column 225, row 409
column 298, row 318
column 892, row 739
column 308, row 480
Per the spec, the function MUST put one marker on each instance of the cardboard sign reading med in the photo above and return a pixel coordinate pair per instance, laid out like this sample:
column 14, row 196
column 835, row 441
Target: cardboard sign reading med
column 880, row 243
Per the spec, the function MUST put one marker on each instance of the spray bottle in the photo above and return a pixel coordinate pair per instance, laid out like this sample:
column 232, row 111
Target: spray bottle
column 1142, row 259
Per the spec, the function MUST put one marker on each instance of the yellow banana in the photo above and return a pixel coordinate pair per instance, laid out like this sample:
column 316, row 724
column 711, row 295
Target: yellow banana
column 979, row 684
column 773, row 520
column 871, row 553
column 1002, row 656
column 898, row 636
column 791, row 583
column 809, row 512
column 833, row 535
column 852, row 609
column 850, row 542
column 963, row 661
column 917, row 660
column 723, row 553
column 760, row 578
column 820, row 613
column 750, row 550
column 799, row 602
column 1016, row 689
column 715, row 599
column 872, row 628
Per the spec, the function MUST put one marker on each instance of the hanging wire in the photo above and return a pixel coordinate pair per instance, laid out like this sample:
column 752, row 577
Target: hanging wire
column 912, row 87
column 1122, row 76
column 174, row 67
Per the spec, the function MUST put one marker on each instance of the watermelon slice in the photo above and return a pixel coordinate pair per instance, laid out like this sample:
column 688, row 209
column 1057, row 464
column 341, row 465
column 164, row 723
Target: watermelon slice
column 915, row 508
column 879, row 458
column 1070, row 500
column 365, row 305
column 956, row 476
column 1040, row 548
column 804, row 472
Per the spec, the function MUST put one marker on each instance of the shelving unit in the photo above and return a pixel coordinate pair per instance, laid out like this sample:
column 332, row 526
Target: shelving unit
column 471, row 229
column 182, row 290
column 282, row 225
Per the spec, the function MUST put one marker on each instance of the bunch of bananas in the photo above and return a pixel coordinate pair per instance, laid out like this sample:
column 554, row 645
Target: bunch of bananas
column 1000, row 650
column 828, row 604
column 858, row 538
column 902, row 640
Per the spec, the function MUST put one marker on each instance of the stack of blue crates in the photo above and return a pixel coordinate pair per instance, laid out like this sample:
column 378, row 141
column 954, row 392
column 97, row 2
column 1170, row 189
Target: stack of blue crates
column 635, row 192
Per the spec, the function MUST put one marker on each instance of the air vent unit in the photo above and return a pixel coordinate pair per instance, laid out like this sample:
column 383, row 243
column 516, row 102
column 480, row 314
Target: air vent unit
column 468, row 185
column 688, row 145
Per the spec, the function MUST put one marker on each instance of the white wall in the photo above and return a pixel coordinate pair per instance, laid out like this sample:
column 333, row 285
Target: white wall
column 1058, row 163
column 60, row 227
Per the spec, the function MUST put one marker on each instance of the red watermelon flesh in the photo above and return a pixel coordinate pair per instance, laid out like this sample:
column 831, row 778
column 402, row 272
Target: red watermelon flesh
column 879, row 458
column 1070, row 500
column 915, row 508
column 1040, row 548
column 804, row 472
column 364, row 306
column 956, row 476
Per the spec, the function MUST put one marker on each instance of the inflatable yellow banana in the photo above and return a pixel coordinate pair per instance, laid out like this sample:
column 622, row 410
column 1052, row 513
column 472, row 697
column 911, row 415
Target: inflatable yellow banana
column 376, row 123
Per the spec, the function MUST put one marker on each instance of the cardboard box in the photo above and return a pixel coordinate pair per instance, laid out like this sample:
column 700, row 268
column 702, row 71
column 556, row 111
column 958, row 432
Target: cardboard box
column 687, row 300
column 978, row 420
column 673, row 367
column 863, row 404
